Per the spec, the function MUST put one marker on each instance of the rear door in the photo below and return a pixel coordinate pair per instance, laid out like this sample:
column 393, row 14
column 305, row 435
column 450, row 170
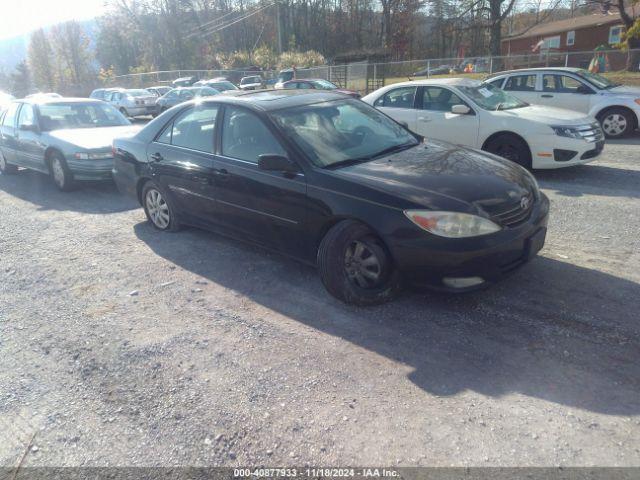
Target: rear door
column 523, row 86
column 399, row 104
column 264, row 206
column 435, row 119
column 181, row 159
column 8, row 134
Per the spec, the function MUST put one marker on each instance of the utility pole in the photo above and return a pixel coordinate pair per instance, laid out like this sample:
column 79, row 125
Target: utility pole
column 279, row 27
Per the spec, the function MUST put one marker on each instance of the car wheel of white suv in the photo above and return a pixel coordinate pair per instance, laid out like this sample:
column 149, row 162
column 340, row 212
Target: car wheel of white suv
column 616, row 122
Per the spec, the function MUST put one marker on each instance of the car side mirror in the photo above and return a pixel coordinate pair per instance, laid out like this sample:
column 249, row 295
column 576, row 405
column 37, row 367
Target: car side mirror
column 29, row 128
column 460, row 109
column 276, row 163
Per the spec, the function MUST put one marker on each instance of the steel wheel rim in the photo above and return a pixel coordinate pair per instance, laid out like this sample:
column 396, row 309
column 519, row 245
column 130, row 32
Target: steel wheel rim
column 58, row 172
column 158, row 209
column 614, row 124
column 362, row 265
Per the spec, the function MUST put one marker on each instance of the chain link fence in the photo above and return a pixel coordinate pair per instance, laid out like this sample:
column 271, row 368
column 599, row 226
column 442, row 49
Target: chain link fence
column 365, row 77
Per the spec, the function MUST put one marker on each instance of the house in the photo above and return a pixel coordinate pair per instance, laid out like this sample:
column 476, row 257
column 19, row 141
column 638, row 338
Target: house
column 578, row 34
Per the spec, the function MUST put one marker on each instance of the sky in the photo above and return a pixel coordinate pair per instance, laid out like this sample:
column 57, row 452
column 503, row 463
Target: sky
column 23, row 16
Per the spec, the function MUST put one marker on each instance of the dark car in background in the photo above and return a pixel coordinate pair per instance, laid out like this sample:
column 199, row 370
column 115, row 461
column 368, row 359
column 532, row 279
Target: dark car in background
column 317, row 84
column 337, row 184
column 68, row 138
column 252, row 82
column 184, row 82
column 184, row 94
column 221, row 84
column 159, row 90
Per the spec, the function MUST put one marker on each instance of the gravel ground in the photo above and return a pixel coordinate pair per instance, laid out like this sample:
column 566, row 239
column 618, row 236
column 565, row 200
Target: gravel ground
column 120, row 345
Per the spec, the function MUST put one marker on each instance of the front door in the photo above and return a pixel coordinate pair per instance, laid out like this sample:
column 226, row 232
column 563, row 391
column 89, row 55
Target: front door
column 399, row 104
column 182, row 161
column 30, row 149
column 265, row 206
column 436, row 121
column 563, row 91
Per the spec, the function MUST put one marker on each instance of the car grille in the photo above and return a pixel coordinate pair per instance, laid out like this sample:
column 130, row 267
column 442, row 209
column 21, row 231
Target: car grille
column 512, row 214
column 591, row 132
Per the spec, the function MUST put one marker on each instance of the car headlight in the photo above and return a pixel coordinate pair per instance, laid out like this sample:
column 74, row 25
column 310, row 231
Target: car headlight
column 451, row 224
column 570, row 132
column 93, row 156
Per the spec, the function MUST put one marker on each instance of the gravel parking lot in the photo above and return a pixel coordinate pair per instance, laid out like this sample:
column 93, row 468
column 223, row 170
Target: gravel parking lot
column 120, row 345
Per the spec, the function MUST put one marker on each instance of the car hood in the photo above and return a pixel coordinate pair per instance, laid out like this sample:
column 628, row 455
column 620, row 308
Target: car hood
column 439, row 175
column 625, row 90
column 93, row 138
column 549, row 115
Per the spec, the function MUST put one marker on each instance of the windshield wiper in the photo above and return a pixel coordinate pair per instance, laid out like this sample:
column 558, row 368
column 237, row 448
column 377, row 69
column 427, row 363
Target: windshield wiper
column 353, row 161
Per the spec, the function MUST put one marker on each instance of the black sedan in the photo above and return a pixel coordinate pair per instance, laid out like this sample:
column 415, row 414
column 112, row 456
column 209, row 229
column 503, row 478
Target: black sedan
column 335, row 183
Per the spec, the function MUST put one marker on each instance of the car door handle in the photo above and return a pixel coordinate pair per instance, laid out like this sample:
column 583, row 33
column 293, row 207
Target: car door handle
column 156, row 157
column 424, row 119
column 546, row 95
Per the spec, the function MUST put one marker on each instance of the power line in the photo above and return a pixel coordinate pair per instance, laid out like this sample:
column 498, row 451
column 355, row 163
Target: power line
column 224, row 25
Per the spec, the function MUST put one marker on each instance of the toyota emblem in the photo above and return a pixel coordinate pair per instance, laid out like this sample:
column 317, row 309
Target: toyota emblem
column 524, row 203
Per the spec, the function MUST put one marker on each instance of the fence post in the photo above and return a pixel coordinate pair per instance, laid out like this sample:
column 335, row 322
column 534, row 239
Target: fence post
column 566, row 59
column 428, row 68
column 490, row 64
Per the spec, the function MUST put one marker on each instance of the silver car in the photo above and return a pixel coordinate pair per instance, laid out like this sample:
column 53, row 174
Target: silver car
column 133, row 102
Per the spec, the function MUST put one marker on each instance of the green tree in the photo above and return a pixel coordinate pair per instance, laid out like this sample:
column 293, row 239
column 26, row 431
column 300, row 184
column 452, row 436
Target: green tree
column 40, row 59
column 73, row 58
column 21, row 80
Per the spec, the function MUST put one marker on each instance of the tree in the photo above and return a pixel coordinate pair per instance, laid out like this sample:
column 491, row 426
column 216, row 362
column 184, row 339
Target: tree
column 40, row 58
column 21, row 80
column 73, row 57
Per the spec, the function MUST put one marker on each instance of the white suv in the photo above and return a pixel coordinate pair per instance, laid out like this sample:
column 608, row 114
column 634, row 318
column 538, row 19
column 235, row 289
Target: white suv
column 617, row 107
column 470, row 113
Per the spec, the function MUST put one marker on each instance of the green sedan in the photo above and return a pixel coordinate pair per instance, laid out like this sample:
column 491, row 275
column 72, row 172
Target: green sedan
column 68, row 138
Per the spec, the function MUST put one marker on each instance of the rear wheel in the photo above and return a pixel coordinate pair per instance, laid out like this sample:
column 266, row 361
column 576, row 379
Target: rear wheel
column 616, row 122
column 158, row 209
column 512, row 148
column 5, row 167
column 62, row 176
column 355, row 266
column 124, row 112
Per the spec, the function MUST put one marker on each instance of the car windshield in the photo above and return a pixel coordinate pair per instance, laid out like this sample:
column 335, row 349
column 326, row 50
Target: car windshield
column 223, row 86
column 57, row 116
column 489, row 97
column 597, row 80
column 343, row 132
column 324, row 85
column 206, row 92
column 138, row 93
column 247, row 80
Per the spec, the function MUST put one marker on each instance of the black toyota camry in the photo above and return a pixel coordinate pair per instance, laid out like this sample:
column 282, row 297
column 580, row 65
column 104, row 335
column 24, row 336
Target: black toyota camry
column 337, row 184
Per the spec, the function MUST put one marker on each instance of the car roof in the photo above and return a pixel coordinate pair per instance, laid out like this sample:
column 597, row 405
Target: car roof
column 538, row 69
column 307, row 80
column 269, row 100
column 43, row 100
column 454, row 82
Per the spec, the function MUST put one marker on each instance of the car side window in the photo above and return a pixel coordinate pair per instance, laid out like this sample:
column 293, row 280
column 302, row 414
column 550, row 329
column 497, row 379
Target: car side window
column 10, row 117
column 193, row 129
column 497, row 83
column 246, row 137
column 304, row 85
column 26, row 116
column 439, row 99
column 568, row 84
column 521, row 83
column 402, row 97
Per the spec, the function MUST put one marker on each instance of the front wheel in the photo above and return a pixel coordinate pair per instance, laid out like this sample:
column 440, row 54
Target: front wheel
column 616, row 122
column 62, row 176
column 7, row 168
column 512, row 148
column 355, row 266
column 158, row 209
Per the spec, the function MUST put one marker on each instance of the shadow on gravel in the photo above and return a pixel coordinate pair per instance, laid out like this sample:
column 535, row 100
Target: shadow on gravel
column 554, row 331
column 591, row 180
column 89, row 197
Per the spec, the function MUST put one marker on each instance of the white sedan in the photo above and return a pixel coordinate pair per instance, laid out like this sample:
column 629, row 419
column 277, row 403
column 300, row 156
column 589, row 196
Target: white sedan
column 470, row 113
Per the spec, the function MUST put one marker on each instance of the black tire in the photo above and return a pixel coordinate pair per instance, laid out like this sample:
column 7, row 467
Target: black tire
column 616, row 122
column 512, row 148
column 156, row 219
column 124, row 112
column 7, row 168
column 60, row 173
column 336, row 265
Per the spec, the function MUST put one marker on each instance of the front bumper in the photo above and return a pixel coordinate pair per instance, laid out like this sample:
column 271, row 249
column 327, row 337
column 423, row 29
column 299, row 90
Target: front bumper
column 426, row 260
column 551, row 151
column 90, row 169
